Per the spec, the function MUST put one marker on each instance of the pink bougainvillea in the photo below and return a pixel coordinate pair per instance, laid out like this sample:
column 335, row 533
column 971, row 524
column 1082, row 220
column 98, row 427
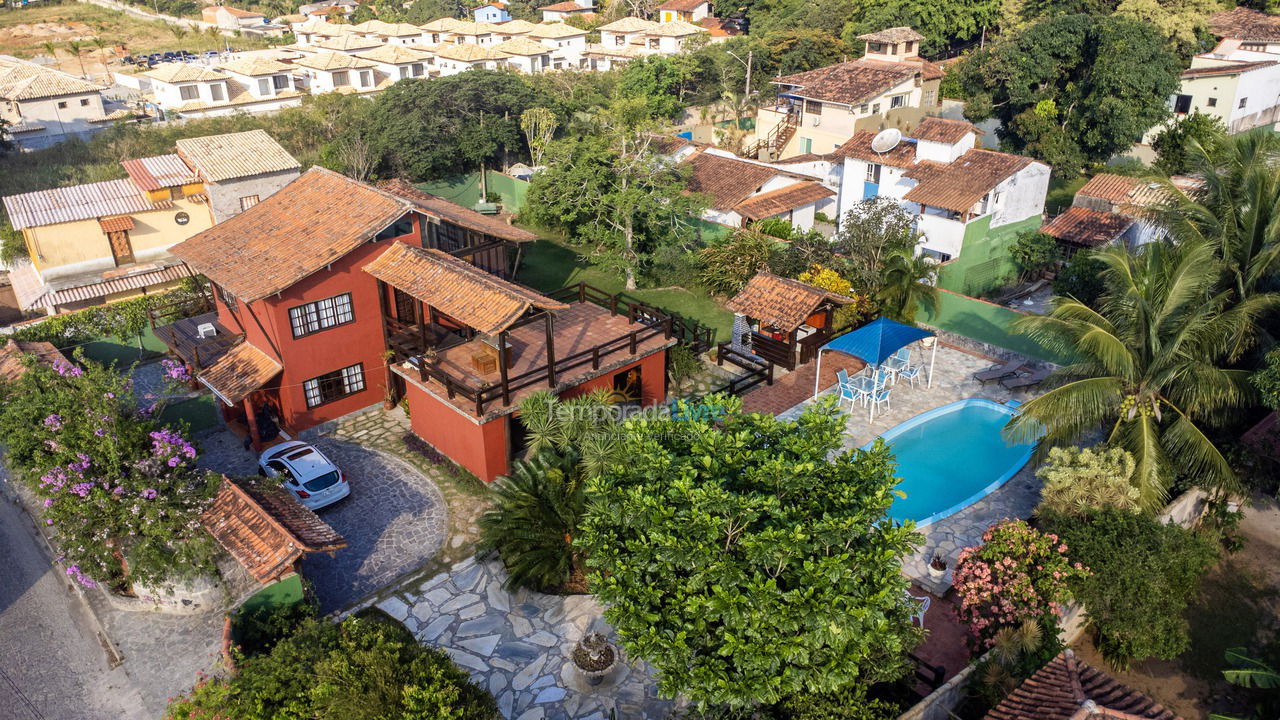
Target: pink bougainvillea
column 1016, row 574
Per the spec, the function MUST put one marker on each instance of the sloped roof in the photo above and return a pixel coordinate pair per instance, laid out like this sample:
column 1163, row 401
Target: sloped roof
column 959, row 184
column 781, row 200
column 522, row 46
column 159, row 172
column 942, row 130
column 32, row 292
column 682, row 5
column 446, row 24
column 265, row 528
column 237, row 12
column 469, row 52
column 309, row 223
column 1112, row 188
column 628, row 25
column 75, row 202
column 475, row 29
column 781, row 302
column 551, row 31
column 566, row 6
column 728, row 181
column 1087, row 228
column 252, row 66
column 183, row 72
column 675, row 28
column 1069, row 689
column 239, row 372
column 1245, row 24
column 438, row 207
column 348, row 43
column 848, row 83
column 235, row 155
column 858, row 147
column 22, row 80
column 1227, row 68
column 329, row 61
column 395, row 55
column 11, row 352
column 893, row 35
column 321, row 26
column 514, row 27
column 389, row 29
column 457, row 288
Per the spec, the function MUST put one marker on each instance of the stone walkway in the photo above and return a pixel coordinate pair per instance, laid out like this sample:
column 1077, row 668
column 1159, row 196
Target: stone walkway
column 517, row 645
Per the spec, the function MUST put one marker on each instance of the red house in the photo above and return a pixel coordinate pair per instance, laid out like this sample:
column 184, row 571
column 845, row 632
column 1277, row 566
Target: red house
column 332, row 295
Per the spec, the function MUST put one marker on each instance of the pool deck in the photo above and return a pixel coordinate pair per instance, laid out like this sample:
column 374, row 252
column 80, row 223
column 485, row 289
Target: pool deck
column 952, row 381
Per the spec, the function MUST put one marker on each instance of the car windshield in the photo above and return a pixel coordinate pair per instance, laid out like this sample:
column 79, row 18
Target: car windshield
column 320, row 483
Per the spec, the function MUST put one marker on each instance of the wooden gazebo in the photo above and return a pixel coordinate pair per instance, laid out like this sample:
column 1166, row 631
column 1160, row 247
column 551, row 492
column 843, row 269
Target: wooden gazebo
column 789, row 320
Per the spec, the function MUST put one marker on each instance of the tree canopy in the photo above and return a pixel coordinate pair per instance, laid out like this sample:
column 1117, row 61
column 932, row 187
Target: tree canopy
column 749, row 558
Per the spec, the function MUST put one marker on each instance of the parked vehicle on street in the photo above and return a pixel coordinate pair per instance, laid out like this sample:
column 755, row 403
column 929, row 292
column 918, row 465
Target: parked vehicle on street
column 304, row 471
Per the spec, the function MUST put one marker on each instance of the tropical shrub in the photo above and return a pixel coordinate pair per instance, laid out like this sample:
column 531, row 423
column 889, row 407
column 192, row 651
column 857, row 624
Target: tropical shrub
column 857, row 312
column 1017, row 652
column 1017, row 574
column 1034, row 253
column 870, row 233
column 256, row 630
column 586, row 426
column 1081, row 278
column 1077, row 480
column 749, row 559
column 730, row 263
column 1144, row 574
column 775, row 227
column 791, row 258
column 112, row 483
column 907, row 282
column 683, row 367
column 537, row 508
column 361, row 669
column 1267, row 380
column 1172, row 144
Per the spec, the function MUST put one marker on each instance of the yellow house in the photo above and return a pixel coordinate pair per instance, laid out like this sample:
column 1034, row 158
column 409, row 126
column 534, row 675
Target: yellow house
column 107, row 241
column 690, row 11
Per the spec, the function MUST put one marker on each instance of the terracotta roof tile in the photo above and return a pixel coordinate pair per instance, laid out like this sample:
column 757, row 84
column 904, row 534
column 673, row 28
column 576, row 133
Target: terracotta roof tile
column 781, row 302
column 75, row 202
column 942, row 130
column 1112, row 188
column 893, row 35
column 1068, row 689
column 1227, row 68
column 438, row 207
column 959, row 184
column 781, row 200
column 522, row 46
column 681, row 5
column 116, row 224
column 566, row 6
column 1245, row 24
column 727, row 181
column 858, row 147
column 24, row 80
column 1087, row 228
column 265, row 528
column 239, row 372
column 311, row 222
column 848, row 83
column 457, row 288
column 11, row 352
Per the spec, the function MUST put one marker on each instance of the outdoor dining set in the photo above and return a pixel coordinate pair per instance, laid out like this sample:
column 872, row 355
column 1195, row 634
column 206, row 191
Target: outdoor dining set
column 872, row 386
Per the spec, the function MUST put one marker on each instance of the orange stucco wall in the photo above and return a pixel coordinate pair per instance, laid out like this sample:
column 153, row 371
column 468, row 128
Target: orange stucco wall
column 481, row 449
column 653, row 380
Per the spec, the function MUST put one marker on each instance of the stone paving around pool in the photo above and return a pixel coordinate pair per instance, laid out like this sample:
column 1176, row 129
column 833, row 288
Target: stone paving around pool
column 517, row 644
column 952, row 381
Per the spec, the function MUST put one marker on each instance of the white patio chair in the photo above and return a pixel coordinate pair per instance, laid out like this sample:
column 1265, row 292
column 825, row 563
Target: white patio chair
column 881, row 397
column 920, row 606
column 911, row 373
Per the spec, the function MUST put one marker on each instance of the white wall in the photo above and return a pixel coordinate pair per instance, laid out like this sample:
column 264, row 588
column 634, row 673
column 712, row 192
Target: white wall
column 66, row 115
column 942, row 152
column 940, row 234
column 1022, row 196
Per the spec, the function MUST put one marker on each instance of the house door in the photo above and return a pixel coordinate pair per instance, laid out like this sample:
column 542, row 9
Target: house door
column 121, row 249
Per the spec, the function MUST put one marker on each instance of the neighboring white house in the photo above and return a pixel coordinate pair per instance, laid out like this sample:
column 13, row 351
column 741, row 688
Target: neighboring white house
column 494, row 12
column 390, row 33
column 475, row 34
column 441, row 31
column 262, row 78
column 45, row 106
column 607, row 57
column 1256, row 31
column 567, row 43
column 1239, row 87
column 962, row 196
column 622, row 32
column 454, row 59
column 742, row 191
column 350, row 43
column 561, row 11
column 175, row 86
column 512, row 29
column 690, row 11
column 237, row 20
column 336, row 72
column 669, row 38
column 328, row 8
column 396, row 62
column 525, row 55
column 317, row 30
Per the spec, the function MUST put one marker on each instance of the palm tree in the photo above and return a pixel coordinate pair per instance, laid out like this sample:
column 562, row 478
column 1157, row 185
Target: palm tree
column 77, row 48
column 906, row 283
column 178, row 31
column 585, row 425
column 102, row 46
column 1150, row 365
column 51, row 49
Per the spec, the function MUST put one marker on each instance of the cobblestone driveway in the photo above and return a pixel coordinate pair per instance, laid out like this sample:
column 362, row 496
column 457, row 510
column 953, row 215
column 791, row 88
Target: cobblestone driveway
column 394, row 520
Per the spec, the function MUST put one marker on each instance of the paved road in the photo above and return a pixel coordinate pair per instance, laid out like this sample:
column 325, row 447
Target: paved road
column 51, row 664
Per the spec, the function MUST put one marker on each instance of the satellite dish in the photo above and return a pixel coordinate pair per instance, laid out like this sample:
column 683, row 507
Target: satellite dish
column 886, row 140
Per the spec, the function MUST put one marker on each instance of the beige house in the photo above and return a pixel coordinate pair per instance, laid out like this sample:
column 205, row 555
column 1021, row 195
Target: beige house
column 45, row 106
column 690, row 11
column 525, row 55
column 819, row 110
column 441, row 32
column 397, row 62
column 337, row 72
column 622, row 32
column 561, row 11
column 454, row 59
column 316, row 30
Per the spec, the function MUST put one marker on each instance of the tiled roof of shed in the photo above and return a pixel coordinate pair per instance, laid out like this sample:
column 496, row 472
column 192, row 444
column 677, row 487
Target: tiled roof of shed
column 75, row 202
column 457, row 288
column 942, row 130
column 265, row 528
column 436, row 206
column 1087, row 228
column 959, row 184
column 901, row 155
column 236, row 155
column 12, row 351
column 239, row 372
column 781, row 200
column 159, row 172
column 781, row 302
column 728, row 181
column 1069, row 689
column 31, row 292
column 1112, row 188
column 849, row 83
column 893, row 35
column 311, row 222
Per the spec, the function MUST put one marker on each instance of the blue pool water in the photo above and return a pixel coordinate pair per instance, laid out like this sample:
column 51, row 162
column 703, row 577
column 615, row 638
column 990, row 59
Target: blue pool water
column 951, row 457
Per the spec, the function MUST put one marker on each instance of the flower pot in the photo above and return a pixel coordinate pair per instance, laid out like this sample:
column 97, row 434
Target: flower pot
column 937, row 568
column 594, row 657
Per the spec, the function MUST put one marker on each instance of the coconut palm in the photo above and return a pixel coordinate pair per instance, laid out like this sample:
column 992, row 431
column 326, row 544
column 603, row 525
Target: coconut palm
column 906, row 283
column 1151, row 365
column 51, row 49
column 77, row 48
column 102, row 46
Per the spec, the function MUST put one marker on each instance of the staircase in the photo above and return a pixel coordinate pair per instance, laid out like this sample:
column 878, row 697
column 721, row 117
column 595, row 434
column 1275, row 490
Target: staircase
column 768, row 147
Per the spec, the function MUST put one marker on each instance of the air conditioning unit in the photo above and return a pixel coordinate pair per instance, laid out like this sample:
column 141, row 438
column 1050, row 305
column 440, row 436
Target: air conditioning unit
column 206, row 330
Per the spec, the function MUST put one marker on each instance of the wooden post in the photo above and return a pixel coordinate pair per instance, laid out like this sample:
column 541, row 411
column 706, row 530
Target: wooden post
column 551, row 353
column 422, row 327
column 251, row 422
column 582, row 292
column 613, row 304
column 632, row 338
column 666, row 327
column 502, row 368
column 595, row 357
column 768, row 378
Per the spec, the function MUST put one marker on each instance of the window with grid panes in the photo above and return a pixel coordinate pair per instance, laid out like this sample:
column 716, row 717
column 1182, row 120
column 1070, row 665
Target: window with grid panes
column 321, row 315
column 334, row 386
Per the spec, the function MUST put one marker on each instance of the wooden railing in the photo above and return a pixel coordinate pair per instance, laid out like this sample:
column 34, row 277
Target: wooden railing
column 778, row 352
column 777, row 138
column 691, row 333
column 756, row 371
column 174, row 310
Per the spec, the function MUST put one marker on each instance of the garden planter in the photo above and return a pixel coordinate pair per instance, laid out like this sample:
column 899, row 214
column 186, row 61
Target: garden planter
column 594, row 657
column 937, row 567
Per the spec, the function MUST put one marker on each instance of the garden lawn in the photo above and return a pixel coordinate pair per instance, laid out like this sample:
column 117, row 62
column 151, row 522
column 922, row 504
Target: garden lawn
column 549, row 265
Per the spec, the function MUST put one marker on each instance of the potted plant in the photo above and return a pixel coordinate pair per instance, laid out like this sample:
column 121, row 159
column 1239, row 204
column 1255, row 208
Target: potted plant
column 937, row 567
column 595, row 657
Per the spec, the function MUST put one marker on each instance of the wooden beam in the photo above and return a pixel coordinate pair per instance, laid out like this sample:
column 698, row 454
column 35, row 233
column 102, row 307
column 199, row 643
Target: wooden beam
column 502, row 368
column 551, row 353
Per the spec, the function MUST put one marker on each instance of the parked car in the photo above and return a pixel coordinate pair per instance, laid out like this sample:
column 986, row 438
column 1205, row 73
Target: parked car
column 304, row 471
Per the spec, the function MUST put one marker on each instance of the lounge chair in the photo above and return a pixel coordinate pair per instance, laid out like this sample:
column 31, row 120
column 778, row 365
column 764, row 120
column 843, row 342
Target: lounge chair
column 1030, row 379
column 999, row 372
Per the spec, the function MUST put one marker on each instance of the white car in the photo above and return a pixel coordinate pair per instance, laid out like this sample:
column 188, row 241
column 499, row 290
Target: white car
column 304, row 471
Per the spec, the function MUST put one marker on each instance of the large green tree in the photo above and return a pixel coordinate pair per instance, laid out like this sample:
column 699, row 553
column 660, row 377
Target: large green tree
column 748, row 558
column 1152, row 365
column 1072, row 88
column 941, row 23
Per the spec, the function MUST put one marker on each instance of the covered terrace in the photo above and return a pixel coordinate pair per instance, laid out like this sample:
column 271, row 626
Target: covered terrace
column 786, row 321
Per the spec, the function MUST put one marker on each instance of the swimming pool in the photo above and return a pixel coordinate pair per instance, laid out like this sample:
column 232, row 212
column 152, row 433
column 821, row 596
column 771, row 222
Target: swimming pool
column 952, row 456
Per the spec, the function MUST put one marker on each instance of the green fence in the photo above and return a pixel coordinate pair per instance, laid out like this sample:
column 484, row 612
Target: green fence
column 985, row 322
column 465, row 189
column 112, row 351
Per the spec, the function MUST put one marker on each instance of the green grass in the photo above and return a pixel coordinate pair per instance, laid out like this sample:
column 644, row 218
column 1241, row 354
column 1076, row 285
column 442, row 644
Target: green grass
column 199, row 413
column 549, row 265
column 1061, row 193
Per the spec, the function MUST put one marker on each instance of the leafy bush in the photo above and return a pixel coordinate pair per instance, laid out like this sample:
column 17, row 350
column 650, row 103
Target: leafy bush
column 1081, row 279
column 1172, row 142
column 775, row 227
column 257, row 630
column 1267, row 380
column 801, row 253
column 1034, row 253
column 361, row 669
column 730, row 263
column 1144, row 574
column 1017, row 574
column 1078, row 480
column 537, row 509
column 857, row 312
column 683, row 367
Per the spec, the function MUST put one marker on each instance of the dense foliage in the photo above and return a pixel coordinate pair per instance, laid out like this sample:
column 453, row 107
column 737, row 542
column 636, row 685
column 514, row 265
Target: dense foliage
column 857, row 311
column 1144, row 574
column 728, row 264
column 872, row 231
column 747, row 558
column 1016, row 575
column 361, row 669
column 113, row 484
column 1079, row 480
column 1173, row 143
column 1081, row 279
column 1034, row 253
column 1267, row 380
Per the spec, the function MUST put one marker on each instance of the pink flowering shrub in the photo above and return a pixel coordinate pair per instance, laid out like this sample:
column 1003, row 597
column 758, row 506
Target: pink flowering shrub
column 1016, row 574
column 112, row 484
